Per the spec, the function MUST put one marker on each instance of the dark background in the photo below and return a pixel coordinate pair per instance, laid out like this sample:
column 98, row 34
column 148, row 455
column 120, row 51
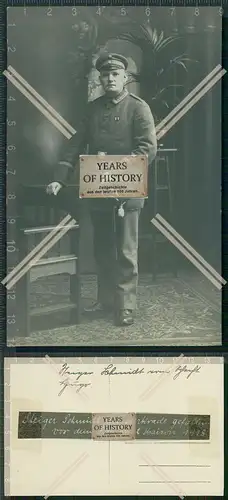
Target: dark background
column 48, row 56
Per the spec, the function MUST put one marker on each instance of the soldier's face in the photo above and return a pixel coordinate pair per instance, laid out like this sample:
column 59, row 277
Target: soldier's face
column 113, row 81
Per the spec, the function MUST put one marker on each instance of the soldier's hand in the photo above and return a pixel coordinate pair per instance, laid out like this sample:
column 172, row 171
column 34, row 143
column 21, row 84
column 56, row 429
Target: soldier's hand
column 53, row 188
column 126, row 159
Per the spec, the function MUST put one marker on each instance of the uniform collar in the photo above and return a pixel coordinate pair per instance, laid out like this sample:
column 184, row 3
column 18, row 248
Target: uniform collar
column 119, row 97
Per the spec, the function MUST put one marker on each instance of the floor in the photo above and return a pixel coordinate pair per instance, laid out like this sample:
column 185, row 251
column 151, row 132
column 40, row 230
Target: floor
column 182, row 311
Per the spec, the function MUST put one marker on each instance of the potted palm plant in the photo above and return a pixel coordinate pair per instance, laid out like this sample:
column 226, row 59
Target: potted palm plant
column 163, row 70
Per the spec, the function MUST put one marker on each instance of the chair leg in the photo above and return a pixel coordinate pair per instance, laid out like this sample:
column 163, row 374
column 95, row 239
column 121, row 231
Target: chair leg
column 171, row 213
column 23, row 287
column 154, row 242
column 175, row 265
column 154, row 255
column 78, row 297
column 75, row 281
column 23, row 293
column 75, row 298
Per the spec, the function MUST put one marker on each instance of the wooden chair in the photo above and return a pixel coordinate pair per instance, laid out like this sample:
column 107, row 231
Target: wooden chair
column 162, row 185
column 61, row 259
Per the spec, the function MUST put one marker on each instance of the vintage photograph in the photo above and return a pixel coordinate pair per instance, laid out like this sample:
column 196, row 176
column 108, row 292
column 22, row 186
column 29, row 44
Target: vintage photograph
column 142, row 267
column 123, row 437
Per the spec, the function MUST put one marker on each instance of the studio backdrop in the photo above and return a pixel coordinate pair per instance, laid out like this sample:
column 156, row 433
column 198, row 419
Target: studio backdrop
column 170, row 51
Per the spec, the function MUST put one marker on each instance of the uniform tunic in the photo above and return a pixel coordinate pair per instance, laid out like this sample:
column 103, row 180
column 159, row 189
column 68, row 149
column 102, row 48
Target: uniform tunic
column 117, row 126
column 120, row 126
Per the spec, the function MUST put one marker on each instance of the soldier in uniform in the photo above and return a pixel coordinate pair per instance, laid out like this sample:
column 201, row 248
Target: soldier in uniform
column 117, row 123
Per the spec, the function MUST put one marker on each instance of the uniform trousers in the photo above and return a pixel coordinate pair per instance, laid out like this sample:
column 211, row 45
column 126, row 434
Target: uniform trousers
column 115, row 241
column 116, row 254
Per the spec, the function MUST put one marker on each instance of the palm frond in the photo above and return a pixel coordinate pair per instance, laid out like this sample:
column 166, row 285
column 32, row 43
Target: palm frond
column 148, row 39
column 154, row 36
column 148, row 33
column 164, row 89
column 181, row 63
column 129, row 37
column 160, row 38
column 155, row 97
column 182, row 57
column 165, row 104
column 171, row 66
column 167, row 41
column 159, row 72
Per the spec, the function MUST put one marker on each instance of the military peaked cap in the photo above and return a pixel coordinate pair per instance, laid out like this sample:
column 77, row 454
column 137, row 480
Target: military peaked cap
column 111, row 61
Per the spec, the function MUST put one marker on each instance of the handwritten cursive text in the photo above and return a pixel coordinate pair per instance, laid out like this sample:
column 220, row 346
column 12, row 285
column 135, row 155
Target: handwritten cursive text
column 65, row 370
column 182, row 369
column 70, row 383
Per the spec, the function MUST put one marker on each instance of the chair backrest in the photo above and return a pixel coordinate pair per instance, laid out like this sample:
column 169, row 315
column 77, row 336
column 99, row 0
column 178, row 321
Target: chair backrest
column 36, row 210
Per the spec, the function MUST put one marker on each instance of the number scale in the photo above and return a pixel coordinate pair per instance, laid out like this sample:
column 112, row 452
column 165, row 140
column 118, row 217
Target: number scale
column 11, row 180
